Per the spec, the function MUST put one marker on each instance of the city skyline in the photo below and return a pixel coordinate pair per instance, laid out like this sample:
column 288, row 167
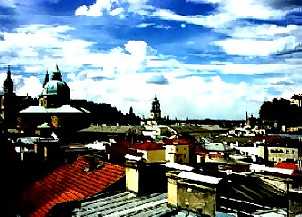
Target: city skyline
column 201, row 58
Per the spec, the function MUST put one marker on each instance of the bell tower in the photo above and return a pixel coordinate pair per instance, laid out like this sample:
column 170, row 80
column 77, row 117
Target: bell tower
column 8, row 85
column 155, row 110
column 8, row 101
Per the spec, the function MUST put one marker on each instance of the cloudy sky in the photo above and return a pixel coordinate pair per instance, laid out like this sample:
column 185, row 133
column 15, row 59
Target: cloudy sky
column 201, row 58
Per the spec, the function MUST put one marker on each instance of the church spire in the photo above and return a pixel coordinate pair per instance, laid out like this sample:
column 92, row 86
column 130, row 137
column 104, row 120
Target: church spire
column 57, row 67
column 8, row 82
column 8, row 71
column 46, row 79
column 56, row 75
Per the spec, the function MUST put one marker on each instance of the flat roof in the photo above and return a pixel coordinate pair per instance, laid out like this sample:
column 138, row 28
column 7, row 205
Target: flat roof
column 43, row 110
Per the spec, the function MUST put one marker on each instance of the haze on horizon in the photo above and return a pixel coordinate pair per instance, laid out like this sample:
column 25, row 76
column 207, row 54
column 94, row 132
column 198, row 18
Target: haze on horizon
column 202, row 58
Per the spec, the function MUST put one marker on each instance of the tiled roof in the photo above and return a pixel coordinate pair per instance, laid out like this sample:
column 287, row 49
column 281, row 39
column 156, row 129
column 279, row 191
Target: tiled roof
column 286, row 165
column 148, row 146
column 69, row 182
column 177, row 141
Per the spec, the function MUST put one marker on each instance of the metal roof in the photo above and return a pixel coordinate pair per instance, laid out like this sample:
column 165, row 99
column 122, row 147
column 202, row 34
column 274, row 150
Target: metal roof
column 128, row 204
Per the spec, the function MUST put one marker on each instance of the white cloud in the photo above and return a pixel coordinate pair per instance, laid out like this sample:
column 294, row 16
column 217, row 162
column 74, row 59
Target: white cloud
column 264, row 31
column 117, row 11
column 249, row 47
column 226, row 12
column 31, row 86
column 217, row 20
column 261, row 40
column 194, row 97
column 113, row 8
column 126, row 66
column 8, row 3
column 96, row 9
column 144, row 25
column 246, row 8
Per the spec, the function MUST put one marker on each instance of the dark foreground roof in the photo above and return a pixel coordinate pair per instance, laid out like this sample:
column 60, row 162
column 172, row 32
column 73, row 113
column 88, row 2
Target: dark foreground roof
column 130, row 205
column 70, row 182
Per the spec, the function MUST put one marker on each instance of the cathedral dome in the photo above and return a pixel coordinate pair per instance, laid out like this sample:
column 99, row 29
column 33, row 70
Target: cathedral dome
column 54, row 87
column 55, row 92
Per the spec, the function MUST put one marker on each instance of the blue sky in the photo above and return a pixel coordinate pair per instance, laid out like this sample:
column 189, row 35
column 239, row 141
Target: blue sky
column 201, row 58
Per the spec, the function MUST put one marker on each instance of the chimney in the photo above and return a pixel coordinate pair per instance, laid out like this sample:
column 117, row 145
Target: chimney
column 192, row 191
column 45, row 153
column 144, row 178
column 133, row 170
column 246, row 117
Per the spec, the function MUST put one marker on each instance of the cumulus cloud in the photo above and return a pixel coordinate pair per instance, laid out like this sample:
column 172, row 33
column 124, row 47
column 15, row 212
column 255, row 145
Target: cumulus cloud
column 249, row 47
column 261, row 40
column 121, row 76
column 113, row 8
column 246, row 8
column 50, row 45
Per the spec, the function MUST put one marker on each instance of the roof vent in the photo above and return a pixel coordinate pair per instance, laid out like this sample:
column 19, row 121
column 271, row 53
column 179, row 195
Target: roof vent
column 93, row 163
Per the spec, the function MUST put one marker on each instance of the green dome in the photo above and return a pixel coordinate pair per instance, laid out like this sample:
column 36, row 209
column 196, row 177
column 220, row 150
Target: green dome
column 55, row 92
column 55, row 87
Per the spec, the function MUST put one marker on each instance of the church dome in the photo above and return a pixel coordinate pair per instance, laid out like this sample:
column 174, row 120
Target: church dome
column 54, row 87
column 55, row 92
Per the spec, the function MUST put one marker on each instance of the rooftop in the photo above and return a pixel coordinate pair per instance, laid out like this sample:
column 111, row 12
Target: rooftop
column 148, row 146
column 61, row 109
column 128, row 204
column 287, row 165
column 177, row 141
column 108, row 129
column 69, row 182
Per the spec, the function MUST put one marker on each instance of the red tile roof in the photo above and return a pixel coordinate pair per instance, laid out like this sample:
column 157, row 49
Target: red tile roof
column 69, row 182
column 285, row 165
column 179, row 141
column 148, row 146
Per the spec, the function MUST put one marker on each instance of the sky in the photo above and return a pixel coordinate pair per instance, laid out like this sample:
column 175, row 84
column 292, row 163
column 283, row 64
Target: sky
column 202, row 58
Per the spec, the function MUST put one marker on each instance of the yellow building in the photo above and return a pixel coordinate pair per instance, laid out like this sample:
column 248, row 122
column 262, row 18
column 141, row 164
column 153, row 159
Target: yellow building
column 151, row 152
column 279, row 154
column 193, row 191
column 177, row 151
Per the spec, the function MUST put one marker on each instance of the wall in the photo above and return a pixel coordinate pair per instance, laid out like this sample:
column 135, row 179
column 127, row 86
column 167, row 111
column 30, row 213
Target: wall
column 201, row 200
column 295, row 203
column 172, row 191
column 145, row 178
column 177, row 153
column 132, row 179
column 153, row 156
